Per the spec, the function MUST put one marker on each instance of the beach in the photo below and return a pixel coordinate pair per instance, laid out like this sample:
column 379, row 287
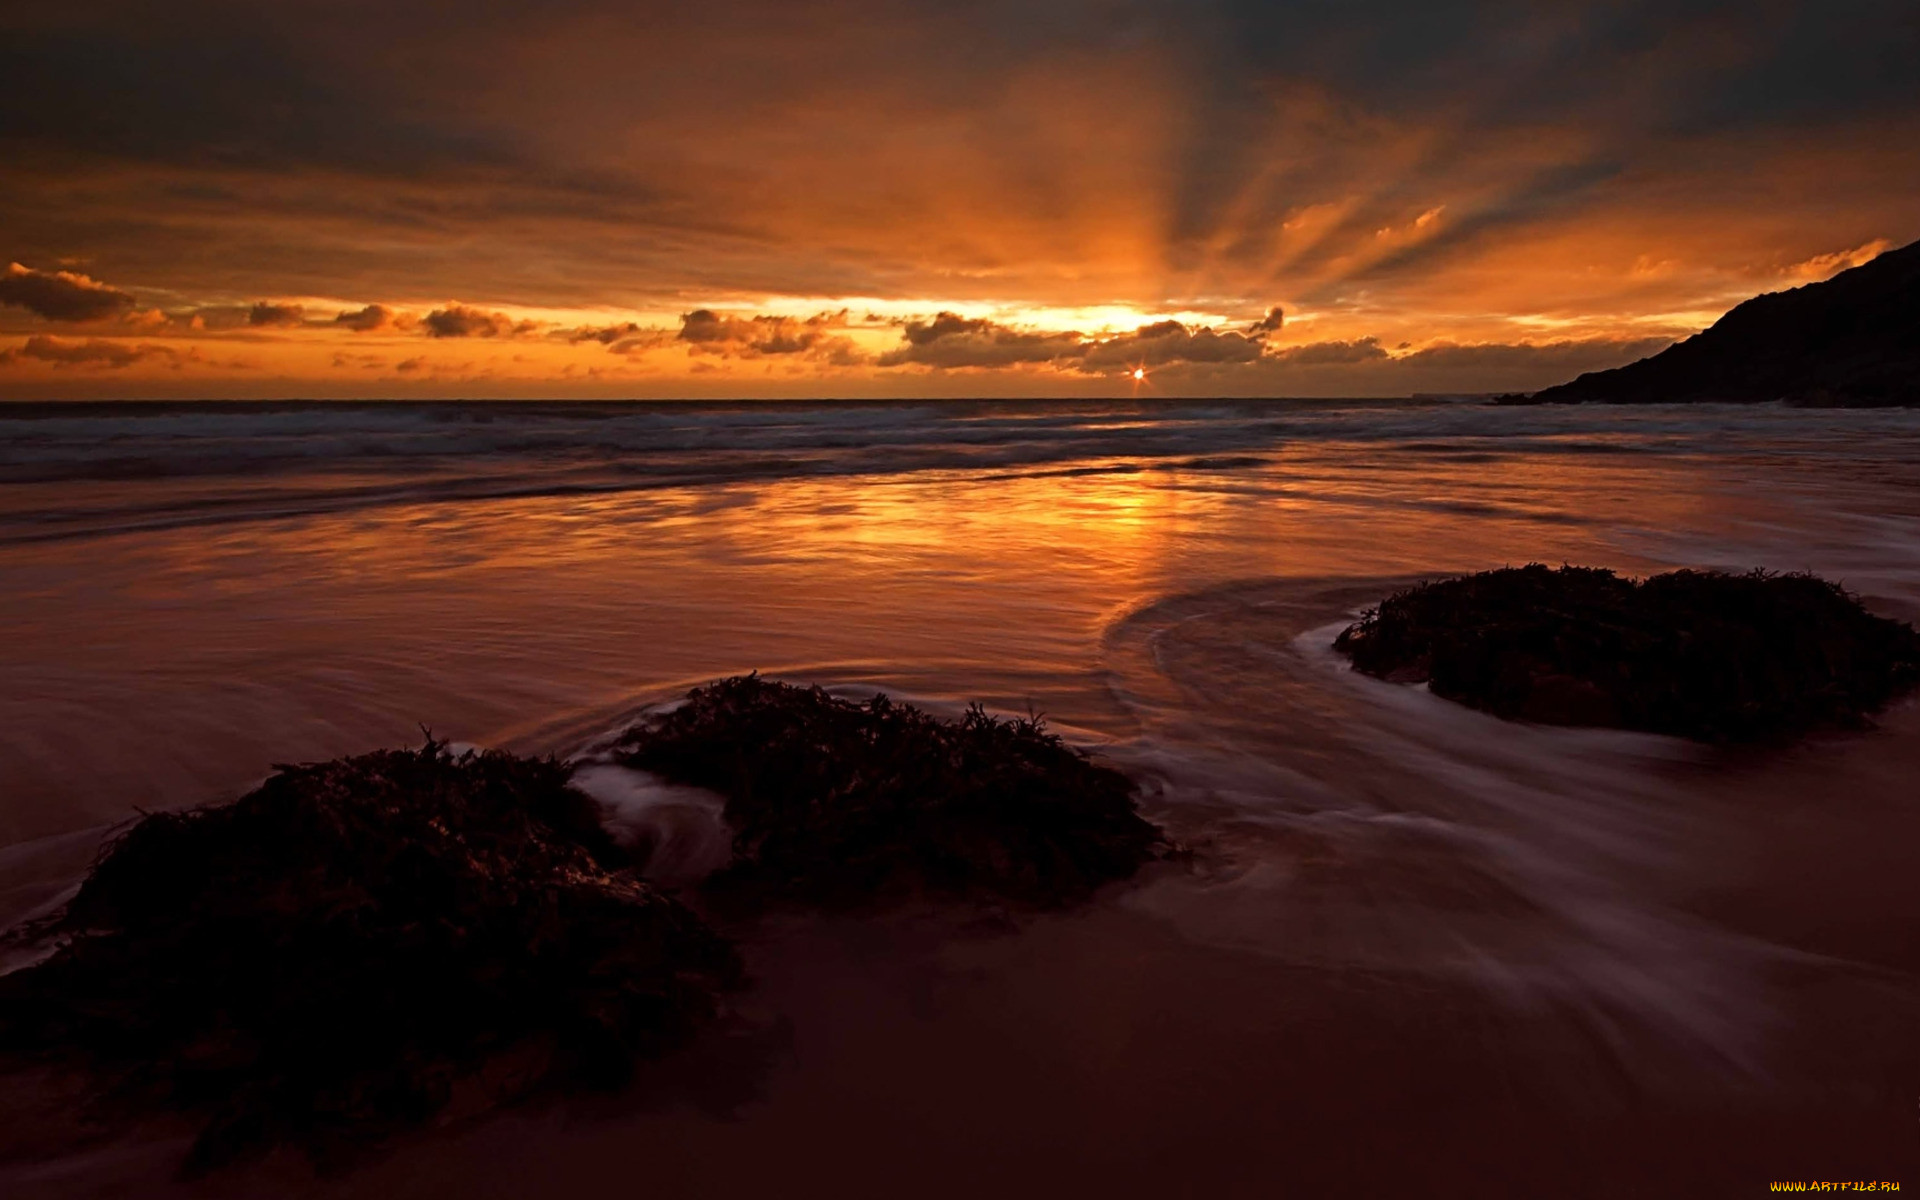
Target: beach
column 1412, row 949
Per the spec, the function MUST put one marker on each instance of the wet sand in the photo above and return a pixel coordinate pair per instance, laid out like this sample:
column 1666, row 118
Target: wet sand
column 1415, row 950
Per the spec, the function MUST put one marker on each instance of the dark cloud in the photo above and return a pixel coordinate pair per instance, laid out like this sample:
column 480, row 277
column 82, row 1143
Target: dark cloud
column 1286, row 104
column 950, row 340
column 1167, row 342
column 1705, row 61
column 96, row 353
column 621, row 337
column 376, row 318
column 463, row 321
column 61, row 295
column 1363, row 367
column 265, row 315
column 1320, row 354
column 947, row 325
column 218, row 83
column 1271, row 323
column 223, row 318
column 709, row 332
column 704, row 327
column 455, row 320
column 606, row 335
column 640, row 343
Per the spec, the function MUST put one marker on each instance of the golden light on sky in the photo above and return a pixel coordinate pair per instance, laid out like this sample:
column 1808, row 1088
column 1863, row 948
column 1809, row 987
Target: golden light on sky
column 869, row 198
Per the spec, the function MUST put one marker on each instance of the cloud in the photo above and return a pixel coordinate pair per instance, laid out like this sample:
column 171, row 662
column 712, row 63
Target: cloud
column 818, row 336
column 1189, row 156
column 266, row 315
column 1322, row 354
column 1271, row 323
column 621, row 337
column 376, row 318
column 463, row 321
column 1165, row 342
column 421, row 367
column 218, row 318
column 1097, row 151
column 606, row 335
column 950, row 341
column 61, row 295
column 1570, row 355
column 215, row 317
column 96, row 353
column 953, row 341
column 218, row 84
column 1824, row 266
column 1364, row 367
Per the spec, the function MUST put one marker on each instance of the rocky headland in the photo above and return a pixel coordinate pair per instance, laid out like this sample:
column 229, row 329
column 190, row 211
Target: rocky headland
column 1852, row 341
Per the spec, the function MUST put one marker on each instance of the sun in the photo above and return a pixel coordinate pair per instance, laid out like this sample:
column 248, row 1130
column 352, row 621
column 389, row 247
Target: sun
column 1139, row 374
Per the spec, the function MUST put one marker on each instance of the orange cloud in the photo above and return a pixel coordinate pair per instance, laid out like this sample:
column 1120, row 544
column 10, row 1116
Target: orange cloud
column 1824, row 266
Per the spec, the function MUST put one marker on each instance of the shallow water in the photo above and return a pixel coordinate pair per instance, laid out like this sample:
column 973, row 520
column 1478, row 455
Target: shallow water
column 1414, row 946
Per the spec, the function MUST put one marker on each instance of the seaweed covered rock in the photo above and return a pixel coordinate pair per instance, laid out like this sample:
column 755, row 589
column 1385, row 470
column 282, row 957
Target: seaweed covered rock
column 1701, row 654
column 325, row 960
column 838, row 803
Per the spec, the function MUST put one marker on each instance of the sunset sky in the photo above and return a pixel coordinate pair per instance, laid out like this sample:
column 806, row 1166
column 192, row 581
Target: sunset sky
column 587, row 198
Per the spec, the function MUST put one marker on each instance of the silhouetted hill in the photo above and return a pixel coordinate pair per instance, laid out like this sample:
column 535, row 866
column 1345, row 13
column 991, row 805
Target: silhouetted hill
column 1853, row 340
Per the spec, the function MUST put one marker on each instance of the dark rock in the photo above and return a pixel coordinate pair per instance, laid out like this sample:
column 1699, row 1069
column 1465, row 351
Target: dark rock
column 1700, row 654
column 836, row 803
column 355, row 944
column 1852, row 341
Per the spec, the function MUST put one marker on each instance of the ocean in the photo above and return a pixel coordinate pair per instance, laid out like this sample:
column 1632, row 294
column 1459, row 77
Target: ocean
column 1413, row 947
